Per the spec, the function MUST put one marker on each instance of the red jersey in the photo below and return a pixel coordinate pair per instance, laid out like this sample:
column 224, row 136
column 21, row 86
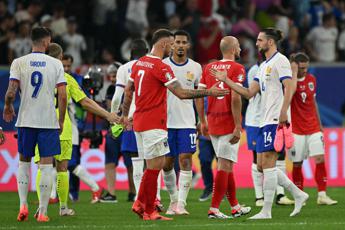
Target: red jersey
column 303, row 110
column 150, row 76
column 219, row 114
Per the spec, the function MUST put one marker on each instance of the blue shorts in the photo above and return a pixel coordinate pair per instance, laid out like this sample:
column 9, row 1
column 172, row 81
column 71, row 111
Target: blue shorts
column 266, row 139
column 181, row 141
column 252, row 137
column 206, row 151
column 113, row 151
column 48, row 142
column 129, row 143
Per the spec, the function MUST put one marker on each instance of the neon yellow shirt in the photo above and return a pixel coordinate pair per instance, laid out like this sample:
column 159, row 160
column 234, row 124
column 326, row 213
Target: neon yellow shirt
column 77, row 94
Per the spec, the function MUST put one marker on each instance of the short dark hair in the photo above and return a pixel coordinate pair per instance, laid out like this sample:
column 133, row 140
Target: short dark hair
column 182, row 33
column 159, row 34
column 38, row 33
column 273, row 33
column 67, row 57
column 138, row 48
column 327, row 16
column 299, row 57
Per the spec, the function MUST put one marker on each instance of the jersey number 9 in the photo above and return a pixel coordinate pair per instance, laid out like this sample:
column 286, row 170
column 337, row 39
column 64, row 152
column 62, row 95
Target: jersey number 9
column 36, row 82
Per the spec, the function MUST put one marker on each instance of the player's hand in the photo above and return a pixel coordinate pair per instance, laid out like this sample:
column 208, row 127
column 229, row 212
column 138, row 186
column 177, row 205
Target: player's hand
column 283, row 117
column 236, row 136
column 113, row 118
column 2, row 137
column 217, row 92
column 61, row 127
column 294, row 66
column 9, row 113
column 220, row 75
column 204, row 129
column 129, row 126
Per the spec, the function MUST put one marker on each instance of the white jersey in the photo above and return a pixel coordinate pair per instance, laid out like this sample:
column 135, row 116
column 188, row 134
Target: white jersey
column 181, row 113
column 38, row 75
column 123, row 73
column 270, row 76
column 253, row 112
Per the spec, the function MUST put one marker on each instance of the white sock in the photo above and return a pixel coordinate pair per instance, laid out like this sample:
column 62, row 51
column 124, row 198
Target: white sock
column 159, row 183
column 257, row 181
column 84, row 176
column 23, row 181
column 282, row 166
column 284, row 181
column 138, row 171
column 184, row 184
column 170, row 183
column 270, row 185
column 53, row 192
column 45, row 187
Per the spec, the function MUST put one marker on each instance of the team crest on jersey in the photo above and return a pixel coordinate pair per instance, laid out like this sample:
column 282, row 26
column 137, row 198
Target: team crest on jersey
column 311, row 86
column 268, row 71
column 168, row 76
column 190, row 76
column 240, row 78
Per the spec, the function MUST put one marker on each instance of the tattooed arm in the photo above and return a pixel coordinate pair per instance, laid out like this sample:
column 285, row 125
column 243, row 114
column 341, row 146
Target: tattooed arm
column 129, row 89
column 9, row 113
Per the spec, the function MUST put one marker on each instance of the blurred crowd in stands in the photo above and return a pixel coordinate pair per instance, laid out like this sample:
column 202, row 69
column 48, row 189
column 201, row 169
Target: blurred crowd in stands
column 100, row 31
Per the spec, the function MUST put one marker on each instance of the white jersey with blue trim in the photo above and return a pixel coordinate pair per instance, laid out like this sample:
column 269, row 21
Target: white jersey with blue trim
column 270, row 76
column 38, row 75
column 253, row 112
column 123, row 73
column 181, row 113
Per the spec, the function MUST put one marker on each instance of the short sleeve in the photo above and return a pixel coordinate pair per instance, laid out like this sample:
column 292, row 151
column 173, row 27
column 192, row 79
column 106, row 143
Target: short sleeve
column 239, row 75
column 198, row 75
column 284, row 69
column 77, row 93
column 60, row 75
column 132, row 76
column 121, row 77
column 15, row 71
column 202, row 82
column 165, row 74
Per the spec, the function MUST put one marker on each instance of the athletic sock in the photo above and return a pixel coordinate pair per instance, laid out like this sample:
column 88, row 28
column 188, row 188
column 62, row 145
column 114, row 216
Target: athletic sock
column 159, row 183
column 282, row 166
column 297, row 176
column 45, row 187
column 138, row 169
column 54, row 179
column 321, row 177
column 231, row 191
column 86, row 178
column 150, row 189
column 62, row 188
column 257, row 181
column 38, row 179
column 284, row 181
column 23, row 181
column 270, row 185
column 219, row 188
column 185, row 182
column 170, row 182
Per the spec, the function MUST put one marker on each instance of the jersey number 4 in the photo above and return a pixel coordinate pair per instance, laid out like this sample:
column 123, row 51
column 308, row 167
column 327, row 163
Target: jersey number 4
column 36, row 82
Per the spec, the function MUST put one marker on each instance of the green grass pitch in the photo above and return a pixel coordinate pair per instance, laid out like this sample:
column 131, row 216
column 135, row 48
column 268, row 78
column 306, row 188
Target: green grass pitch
column 119, row 216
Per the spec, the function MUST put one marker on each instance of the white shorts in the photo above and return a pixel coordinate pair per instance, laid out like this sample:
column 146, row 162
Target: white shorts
column 307, row 146
column 223, row 148
column 152, row 143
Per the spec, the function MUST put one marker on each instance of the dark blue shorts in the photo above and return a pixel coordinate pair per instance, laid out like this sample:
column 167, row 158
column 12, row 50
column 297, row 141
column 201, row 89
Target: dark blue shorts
column 181, row 141
column 252, row 136
column 266, row 139
column 113, row 151
column 206, row 151
column 129, row 143
column 48, row 142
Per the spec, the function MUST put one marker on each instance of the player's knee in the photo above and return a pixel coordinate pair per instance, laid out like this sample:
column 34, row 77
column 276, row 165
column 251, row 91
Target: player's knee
column 297, row 164
column 319, row 159
column 185, row 164
column 61, row 166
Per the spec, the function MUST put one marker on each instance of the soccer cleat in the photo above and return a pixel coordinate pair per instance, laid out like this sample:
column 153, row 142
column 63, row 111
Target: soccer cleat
column 131, row 197
column 261, row 216
column 241, row 211
column 155, row 216
column 138, row 208
column 42, row 218
column 284, row 200
column 299, row 201
column 66, row 212
column 259, row 202
column 288, row 136
column 108, row 198
column 181, row 210
column 96, row 196
column 325, row 200
column 53, row 200
column 23, row 213
column 205, row 195
column 159, row 206
column 217, row 215
column 172, row 208
column 279, row 139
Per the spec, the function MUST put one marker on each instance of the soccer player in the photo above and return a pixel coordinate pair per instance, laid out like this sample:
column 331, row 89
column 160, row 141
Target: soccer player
column 149, row 79
column 224, row 126
column 37, row 75
column 2, row 136
column 274, row 73
column 307, row 129
column 181, row 125
column 252, row 121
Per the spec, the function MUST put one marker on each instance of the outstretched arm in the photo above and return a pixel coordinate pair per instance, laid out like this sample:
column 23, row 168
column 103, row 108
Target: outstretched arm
column 93, row 107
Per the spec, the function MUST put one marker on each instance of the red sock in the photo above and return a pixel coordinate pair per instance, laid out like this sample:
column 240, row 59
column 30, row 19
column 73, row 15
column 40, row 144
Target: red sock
column 219, row 188
column 297, row 176
column 321, row 176
column 231, row 192
column 150, row 189
column 141, row 193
